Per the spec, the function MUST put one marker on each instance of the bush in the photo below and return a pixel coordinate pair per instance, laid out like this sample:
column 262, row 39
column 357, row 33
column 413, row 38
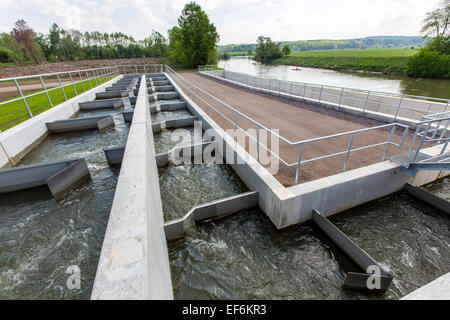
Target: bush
column 429, row 64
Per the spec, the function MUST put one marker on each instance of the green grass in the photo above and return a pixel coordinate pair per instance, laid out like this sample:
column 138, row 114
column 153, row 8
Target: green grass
column 237, row 53
column 375, row 60
column 15, row 112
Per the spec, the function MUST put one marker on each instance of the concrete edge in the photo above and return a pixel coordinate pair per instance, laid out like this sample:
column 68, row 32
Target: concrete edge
column 134, row 262
column 19, row 140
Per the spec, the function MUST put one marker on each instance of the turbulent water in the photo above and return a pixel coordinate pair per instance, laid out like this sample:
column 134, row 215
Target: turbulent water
column 40, row 237
column 242, row 256
column 182, row 186
column 168, row 139
column 245, row 257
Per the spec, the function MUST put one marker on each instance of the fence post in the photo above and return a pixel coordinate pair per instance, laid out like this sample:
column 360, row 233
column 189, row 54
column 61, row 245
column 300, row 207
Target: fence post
column 45, row 90
column 89, row 79
column 304, row 91
column 340, row 99
column 348, row 151
column 300, row 151
column 61, row 86
column 73, row 84
column 82, row 82
column 23, row 98
column 365, row 103
column 290, row 91
column 320, row 96
column 257, row 143
column 389, row 143
column 398, row 108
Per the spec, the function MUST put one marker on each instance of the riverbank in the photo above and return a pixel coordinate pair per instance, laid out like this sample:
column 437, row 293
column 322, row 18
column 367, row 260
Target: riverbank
column 378, row 61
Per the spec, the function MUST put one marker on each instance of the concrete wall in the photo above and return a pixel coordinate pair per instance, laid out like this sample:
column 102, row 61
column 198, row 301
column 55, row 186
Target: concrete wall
column 19, row 140
column 379, row 106
column 438, row 289
column 134, row 262
column 329, row 195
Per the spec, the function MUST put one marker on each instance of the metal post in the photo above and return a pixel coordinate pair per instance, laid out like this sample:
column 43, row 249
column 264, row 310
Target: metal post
column 61, row 86
column 89, row 79
column 73, row 84
column 95, row 78
column 23, row 98
column 82, row 83
column 340, row 99
column 145, row 69
column 290, row 91
column 221, row 114
column 45, row 90
column 304, row 91
column 389, row 143
column 421, row 141
column 320, row 97
column 398, row 108
column 298, row 163
column 257, row 143
column 365, row 103
column 349, row 149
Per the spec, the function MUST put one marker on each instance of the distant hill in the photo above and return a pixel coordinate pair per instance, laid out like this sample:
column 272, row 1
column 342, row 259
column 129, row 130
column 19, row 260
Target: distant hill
column 324, row 44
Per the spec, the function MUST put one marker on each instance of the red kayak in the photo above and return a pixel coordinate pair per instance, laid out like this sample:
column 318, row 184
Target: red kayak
column 297, row 69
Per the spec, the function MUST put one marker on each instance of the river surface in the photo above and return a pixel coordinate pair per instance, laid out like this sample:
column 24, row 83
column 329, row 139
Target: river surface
column 436, row 88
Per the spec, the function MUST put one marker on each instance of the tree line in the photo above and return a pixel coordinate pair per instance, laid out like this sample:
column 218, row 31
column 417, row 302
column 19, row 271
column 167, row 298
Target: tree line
column 23, row 46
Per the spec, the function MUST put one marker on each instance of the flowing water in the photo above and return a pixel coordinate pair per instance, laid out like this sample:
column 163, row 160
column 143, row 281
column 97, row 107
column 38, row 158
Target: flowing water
column 169, row 139
column 183, row 185
column 245, row 257
column 437, row 88
column 41, row 237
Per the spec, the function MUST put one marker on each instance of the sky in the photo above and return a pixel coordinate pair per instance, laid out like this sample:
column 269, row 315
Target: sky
column 237, row 21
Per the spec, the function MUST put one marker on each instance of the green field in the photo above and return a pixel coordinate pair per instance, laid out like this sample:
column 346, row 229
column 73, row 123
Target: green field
column 375, row 60
column 15, row 112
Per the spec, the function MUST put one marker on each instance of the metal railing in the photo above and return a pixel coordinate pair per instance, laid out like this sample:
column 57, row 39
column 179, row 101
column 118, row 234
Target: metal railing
column 67, row 83
column 432, row 129
column 87, row 77
column 206, row 100
column 140, row 69
column 394, row 105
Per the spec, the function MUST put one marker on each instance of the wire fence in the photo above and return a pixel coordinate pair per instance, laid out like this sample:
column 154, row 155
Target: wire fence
column 396, row 106
column 293, row 154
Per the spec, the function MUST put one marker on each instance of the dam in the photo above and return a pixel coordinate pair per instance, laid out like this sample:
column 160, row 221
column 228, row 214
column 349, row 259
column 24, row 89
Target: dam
column 293, row 204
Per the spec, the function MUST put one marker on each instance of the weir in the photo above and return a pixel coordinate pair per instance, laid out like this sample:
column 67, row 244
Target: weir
column 158, row 199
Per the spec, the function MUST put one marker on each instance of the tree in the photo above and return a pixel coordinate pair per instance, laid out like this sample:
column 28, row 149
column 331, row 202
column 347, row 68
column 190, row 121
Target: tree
column 437, row 21
column 10, row 47
column 286, row 50
column 266, row 50
column 193, row 41
column 434, row 60
column 24, row 35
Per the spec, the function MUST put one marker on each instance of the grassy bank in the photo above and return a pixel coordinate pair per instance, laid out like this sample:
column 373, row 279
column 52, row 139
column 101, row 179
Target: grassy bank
column 15, row 112
column 374, row 60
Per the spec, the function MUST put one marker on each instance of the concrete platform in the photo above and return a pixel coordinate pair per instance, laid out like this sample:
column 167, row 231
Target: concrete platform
column 298, row 122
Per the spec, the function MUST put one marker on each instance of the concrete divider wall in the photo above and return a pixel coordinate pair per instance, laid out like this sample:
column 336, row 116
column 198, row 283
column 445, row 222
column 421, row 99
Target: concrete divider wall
column 19, row 140
column 134, row 262
column 329, row 195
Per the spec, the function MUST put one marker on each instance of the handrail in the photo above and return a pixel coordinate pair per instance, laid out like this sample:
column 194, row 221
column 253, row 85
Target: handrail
column 190, row 87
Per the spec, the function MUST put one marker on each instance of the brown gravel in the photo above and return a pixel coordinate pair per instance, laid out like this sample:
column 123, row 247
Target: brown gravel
column 298, row 121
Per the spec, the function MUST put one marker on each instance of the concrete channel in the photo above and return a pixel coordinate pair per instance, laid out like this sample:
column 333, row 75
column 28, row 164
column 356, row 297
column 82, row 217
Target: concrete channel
column 134, row 260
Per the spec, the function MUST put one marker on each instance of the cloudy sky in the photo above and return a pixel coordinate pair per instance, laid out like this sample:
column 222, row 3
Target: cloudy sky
column 238, row 21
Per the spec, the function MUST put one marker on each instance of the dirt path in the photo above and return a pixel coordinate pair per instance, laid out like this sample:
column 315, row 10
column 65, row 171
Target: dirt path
column 299, row 121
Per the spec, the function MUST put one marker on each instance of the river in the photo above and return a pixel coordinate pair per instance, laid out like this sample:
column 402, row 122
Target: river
column 436, row 88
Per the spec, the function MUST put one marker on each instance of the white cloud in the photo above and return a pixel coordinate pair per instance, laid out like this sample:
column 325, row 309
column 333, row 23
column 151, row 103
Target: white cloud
column 237, row 21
